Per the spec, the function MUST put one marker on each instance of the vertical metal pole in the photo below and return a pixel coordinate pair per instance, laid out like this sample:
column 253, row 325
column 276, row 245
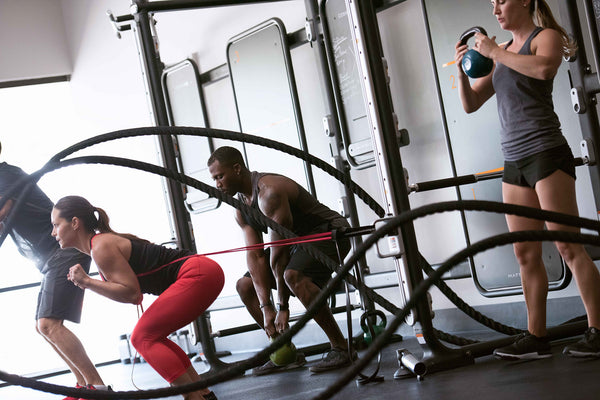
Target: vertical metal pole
column 365, row 32
column 317, row 42
column 581, row 81
column 373, row 71
column 153, row 68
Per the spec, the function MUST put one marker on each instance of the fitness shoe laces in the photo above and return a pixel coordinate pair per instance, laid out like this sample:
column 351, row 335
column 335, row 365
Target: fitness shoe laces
column 335, row 359
column 587, row 347
column 525, row 347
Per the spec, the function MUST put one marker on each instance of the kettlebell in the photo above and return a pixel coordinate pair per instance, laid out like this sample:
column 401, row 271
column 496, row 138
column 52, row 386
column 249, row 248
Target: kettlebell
column 372, row 331
column 284, row 355
column 473, row 63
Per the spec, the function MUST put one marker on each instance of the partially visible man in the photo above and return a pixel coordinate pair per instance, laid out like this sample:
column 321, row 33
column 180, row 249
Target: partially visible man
column 286, row 268
column 58, row 299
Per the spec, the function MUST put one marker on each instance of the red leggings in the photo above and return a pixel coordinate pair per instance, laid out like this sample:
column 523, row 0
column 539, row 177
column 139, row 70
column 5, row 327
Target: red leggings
column 199, row 282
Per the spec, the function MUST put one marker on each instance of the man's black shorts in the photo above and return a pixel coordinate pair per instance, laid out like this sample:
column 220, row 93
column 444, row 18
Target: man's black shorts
column 302, row 261
column 59, row 298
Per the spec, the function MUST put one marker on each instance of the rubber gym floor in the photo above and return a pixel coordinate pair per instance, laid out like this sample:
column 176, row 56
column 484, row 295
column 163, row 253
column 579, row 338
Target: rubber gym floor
column 558, row 377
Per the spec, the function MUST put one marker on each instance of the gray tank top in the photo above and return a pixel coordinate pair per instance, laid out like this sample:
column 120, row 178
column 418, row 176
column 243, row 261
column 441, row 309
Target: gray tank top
column 527, row 119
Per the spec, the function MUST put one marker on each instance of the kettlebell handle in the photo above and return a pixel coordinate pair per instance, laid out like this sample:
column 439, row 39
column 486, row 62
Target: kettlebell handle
column 373, row 313
column 469, row 33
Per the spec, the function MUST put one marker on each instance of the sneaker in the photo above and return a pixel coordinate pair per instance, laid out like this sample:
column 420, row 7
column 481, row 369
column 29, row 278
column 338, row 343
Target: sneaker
column 588, row 346
column 269, row 367
column 335, row 359
column 525, row 347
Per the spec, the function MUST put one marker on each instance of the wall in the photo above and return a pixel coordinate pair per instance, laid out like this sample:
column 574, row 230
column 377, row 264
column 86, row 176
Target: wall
column 32, row 39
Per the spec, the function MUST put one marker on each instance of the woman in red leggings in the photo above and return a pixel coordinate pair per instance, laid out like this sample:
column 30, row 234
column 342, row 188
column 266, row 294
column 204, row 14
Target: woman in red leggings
column 186, row 284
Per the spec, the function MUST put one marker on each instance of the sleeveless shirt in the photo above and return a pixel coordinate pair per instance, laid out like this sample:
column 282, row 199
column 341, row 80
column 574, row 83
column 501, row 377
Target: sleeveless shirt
column 146, row 256
column 309, row 215
column 528, row 122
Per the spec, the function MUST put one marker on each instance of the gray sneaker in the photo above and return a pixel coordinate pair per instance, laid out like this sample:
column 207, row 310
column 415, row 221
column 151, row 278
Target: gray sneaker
column 335, row 359
column 269, row 367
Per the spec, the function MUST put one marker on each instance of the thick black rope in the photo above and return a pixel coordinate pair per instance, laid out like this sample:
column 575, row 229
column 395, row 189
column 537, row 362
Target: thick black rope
column 275, row 344
column 233, row 371
column 367, row 199
column 229, row 135
column 321, row 164
column 467, row 309
column 421, row 290
column 230, row 372
column 356, row 189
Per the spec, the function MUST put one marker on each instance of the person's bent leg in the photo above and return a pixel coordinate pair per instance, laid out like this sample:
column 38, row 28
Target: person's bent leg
column 247, row 293
column 198, row 284
column 70, row 349
column 306, row 291
column 60, row 300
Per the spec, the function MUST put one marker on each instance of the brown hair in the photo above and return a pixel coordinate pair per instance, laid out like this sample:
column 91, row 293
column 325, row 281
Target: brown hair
column 542, row 16
column 94, row 219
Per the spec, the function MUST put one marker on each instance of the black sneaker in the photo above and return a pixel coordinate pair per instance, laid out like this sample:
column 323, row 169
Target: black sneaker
column 269, row 367
column 525, row 347
column 587, row 347
column 335, row 359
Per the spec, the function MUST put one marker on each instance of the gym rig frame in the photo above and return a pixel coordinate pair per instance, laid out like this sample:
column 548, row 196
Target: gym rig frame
column 436, row 355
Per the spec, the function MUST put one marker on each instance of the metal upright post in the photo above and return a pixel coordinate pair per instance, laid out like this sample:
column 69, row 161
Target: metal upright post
column 584, row 86
column 332, row 123
column 153, row 68
column 373, row 70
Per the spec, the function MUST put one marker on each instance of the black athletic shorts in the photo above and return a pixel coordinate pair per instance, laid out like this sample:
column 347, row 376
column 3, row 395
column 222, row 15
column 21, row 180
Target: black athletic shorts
column 529, row 170
column 303, row 262
column 59, row 298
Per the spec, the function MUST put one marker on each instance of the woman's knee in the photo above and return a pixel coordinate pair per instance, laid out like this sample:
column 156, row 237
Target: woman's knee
column 138, row 339
column 528, row 253
column 570, row 251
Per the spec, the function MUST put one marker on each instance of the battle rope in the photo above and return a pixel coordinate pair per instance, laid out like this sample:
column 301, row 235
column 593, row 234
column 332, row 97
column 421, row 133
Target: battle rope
column 274, row 345
column 315, row 161
column 379, row 342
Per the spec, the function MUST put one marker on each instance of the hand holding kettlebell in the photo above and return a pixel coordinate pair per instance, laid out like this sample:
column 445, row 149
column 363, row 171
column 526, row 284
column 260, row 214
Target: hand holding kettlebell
column 473, row 63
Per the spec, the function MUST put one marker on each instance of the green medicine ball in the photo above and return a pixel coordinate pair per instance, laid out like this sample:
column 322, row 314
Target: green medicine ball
column 285, row 355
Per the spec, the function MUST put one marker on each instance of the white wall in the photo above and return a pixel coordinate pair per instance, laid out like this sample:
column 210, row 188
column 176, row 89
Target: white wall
column 32, row 40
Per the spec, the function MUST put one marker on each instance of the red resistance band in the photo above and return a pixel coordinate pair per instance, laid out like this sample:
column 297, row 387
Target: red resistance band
column 316, row 237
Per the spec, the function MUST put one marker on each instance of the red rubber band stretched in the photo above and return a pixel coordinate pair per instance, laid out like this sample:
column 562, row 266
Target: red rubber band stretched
column 317, row 237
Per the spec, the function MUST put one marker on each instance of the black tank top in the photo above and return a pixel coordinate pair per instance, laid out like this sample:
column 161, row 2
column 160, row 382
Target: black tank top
column 146, row 257
column 309, row 215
